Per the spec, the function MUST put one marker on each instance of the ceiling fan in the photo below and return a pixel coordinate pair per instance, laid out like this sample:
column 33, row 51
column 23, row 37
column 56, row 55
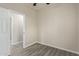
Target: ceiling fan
column 35, row 4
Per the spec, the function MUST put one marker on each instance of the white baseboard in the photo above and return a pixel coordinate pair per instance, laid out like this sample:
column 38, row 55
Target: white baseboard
column 16, row 43
column 29, row 44
column 59, row 48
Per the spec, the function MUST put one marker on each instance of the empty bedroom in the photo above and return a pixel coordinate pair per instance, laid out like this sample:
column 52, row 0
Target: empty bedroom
column 39, row 29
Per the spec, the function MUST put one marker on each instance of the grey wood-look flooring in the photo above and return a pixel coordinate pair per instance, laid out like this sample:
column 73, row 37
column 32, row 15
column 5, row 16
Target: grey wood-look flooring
column 39, row 50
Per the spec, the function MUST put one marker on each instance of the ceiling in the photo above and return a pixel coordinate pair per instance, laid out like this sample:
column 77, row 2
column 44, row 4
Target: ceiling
column 30, row 5
column 40, row 5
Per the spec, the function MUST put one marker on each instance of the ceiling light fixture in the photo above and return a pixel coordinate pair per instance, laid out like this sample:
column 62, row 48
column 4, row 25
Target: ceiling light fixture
column 35, row 4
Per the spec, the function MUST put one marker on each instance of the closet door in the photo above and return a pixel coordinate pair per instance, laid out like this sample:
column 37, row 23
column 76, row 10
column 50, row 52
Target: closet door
column 4, row 32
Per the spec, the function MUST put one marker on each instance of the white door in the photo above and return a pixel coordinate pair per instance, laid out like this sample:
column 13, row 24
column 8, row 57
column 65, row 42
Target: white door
column 4, row 32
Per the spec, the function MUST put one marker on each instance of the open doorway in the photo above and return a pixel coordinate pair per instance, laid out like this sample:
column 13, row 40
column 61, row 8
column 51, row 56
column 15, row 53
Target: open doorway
column 17, row 30
column 11, row 31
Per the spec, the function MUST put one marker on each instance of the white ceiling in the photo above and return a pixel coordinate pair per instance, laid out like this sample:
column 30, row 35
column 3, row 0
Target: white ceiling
column 40, row 5
column 30, row 5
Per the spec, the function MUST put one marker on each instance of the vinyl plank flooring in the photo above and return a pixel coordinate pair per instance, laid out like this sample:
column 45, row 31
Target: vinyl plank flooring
column 42, row 51
column 53, row 52
column 39, row 50
column 34, row 50
column 30, row 49
column 48, row 52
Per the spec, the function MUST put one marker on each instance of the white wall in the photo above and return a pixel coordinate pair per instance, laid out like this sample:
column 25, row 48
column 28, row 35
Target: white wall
column 30, row 21
column 58, row 26
column 4, row 32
